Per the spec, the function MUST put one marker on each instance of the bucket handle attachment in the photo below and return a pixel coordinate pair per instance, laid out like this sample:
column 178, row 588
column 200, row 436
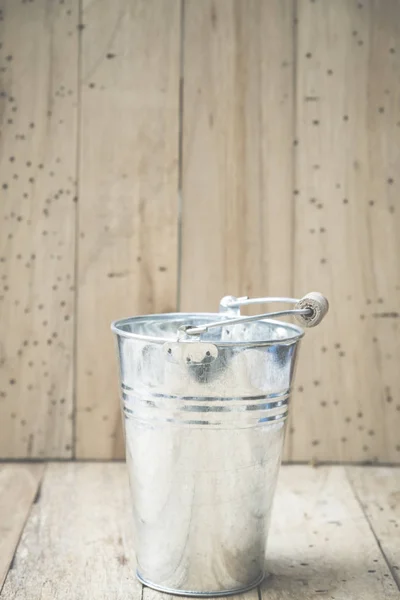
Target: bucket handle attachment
column 309, row 311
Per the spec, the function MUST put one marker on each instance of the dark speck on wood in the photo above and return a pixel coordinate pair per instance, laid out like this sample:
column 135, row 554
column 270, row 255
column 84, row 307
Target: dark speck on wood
column 113, row 274
column 213, row 17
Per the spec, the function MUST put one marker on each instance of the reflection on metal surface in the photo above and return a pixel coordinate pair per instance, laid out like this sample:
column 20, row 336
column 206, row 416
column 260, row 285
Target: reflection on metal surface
column 204, row 427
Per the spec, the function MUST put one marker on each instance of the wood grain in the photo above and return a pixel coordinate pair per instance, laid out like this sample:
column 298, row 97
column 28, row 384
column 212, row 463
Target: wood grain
column 128, row 194
column 378, row 490
column 237, row 150
column 320, row 544
column 150, row 594
column 38, row 95
column 18, row 488
column 78, row 542
column 346, row 229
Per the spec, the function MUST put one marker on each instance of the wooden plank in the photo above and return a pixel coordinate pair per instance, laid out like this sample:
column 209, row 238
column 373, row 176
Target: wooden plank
column 150, row 594
column 18, row 488
column 38, row 89
column 78, row 541
column 128, row 194
column 378, row 490
column 237, row 150
column 346, row 229
column 320, row 544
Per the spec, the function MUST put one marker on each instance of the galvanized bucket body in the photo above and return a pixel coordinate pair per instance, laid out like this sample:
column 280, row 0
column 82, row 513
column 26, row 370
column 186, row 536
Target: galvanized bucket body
column 204, row 428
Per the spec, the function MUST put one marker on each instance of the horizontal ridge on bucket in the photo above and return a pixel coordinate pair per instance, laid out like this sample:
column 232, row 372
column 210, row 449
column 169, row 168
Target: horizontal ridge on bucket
column 238, row 411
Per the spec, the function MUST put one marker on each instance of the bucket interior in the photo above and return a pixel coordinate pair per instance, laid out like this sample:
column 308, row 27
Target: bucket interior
column 164, row 327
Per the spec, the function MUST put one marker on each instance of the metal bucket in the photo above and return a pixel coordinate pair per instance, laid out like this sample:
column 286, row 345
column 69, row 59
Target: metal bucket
column 205, row 399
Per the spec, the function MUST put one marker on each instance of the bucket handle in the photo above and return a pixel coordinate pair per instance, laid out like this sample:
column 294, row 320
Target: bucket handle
column 309, row 311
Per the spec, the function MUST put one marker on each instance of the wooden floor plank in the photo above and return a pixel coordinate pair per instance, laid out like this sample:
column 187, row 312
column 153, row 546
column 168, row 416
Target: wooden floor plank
column 378, row 490
column 19, row 484
column 321, row 545
column 78, row 542
column 149, row 594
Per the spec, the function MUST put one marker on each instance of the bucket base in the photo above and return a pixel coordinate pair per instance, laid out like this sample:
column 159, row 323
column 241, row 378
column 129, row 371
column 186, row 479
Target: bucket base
column 209, row 594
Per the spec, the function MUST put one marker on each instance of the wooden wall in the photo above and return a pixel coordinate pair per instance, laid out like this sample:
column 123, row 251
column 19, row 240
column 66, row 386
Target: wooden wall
column 164, row 153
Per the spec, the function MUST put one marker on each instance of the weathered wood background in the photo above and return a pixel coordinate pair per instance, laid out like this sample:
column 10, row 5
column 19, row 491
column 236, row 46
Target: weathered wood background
column 157, row 154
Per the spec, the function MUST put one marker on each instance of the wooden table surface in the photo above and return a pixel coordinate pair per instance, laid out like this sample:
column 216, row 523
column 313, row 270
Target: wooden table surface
column 65, row 533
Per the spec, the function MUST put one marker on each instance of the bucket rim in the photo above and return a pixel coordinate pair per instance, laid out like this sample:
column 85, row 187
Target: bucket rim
column 116, row 325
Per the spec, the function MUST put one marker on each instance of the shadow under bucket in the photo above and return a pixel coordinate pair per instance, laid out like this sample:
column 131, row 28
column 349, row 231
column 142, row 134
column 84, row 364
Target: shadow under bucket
column 205, row 399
